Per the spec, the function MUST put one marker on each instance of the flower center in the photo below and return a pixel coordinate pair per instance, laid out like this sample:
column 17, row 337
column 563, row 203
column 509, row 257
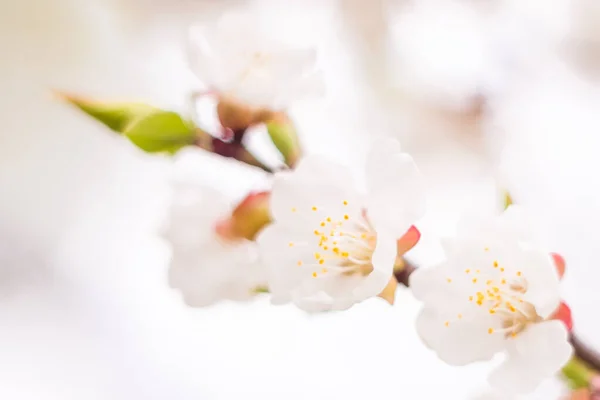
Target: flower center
column 342, row 244
column 501, row 294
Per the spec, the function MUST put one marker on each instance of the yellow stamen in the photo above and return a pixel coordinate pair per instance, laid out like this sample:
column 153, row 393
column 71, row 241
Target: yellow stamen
column 447, row 323
column 491, row 330
column 314, row 274
column 314, row 208
column 345, row 203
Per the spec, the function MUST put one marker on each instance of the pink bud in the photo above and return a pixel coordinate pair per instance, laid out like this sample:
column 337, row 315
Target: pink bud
column 563, row 313
column 560, row 264
column 247, row 219
column 408, row 240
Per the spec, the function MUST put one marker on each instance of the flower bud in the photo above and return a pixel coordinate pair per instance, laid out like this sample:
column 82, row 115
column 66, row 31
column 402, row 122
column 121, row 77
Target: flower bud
column 563, row 313
column 560, row 264
column 247, row 219
column 404, row 244
column 283, row 135
column 238, row 116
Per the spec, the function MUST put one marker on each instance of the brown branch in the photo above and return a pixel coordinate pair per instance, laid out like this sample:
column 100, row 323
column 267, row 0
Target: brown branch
column 583, row 351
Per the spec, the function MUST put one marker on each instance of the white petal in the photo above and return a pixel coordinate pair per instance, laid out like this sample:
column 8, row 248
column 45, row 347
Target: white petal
column 396, row 193
column 204, row 58
column 281, row 260
column 383, row 260
column 463, row 341
column 213, row 272
column 512, row 225
column 318, row 183
column 537, row 353
column 542, row 280
column 430, row 285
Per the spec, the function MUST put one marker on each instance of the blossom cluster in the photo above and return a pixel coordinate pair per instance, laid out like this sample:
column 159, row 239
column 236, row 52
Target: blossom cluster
column 316, row 240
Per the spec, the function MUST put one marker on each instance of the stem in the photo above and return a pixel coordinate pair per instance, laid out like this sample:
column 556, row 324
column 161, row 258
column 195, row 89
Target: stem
column 583, row 352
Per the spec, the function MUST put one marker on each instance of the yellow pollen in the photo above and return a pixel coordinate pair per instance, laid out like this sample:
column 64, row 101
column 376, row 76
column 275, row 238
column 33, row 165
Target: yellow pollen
column 495, row 264
column 449, row 280
column 470, row 298
column 501, row 269
column 474, row 280
column 489, row 282
column 291, row 244
column 314, row 208
column 328, row 219
column 324, row 270
column 363, row 236
column 459, row 316
column 514, row 334
column 322, row 223
column 496, row 289
column 316, row 232
column 492, row 311
column 519, row 273
column 503, row 281
column 447, row 323
column 346, row 216
column 467, row 271
column 336, row 250
column 491, row 330
column 487, row 249
column 293, row 209
column 344, row 254
column 314, row 274
column 334, row 242
column 321, row 261
column 345, row 203
column 317, row 255
column 325, row 247
column 299, row 263
column 477, row 271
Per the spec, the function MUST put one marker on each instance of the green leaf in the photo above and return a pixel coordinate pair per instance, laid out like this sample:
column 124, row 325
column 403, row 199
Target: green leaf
column 284, row 137
column 161, row 131
column 116, row 116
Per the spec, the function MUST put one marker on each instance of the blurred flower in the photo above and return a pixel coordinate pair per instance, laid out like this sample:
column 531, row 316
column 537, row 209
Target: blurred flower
column 331, row 247
column 495, row 293
column 205, row 266
column 238, row 59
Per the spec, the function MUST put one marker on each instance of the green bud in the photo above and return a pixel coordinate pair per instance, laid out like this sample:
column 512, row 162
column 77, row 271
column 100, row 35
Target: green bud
column 284, row 137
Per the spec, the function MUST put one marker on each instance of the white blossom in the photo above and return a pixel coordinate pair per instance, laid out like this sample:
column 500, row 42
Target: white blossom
column 330, row 246
column 495, row 293
column 238, row 57
column 205, row 266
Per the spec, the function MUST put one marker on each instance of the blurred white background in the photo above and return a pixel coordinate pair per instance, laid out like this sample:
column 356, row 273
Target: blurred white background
column 482, row 93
